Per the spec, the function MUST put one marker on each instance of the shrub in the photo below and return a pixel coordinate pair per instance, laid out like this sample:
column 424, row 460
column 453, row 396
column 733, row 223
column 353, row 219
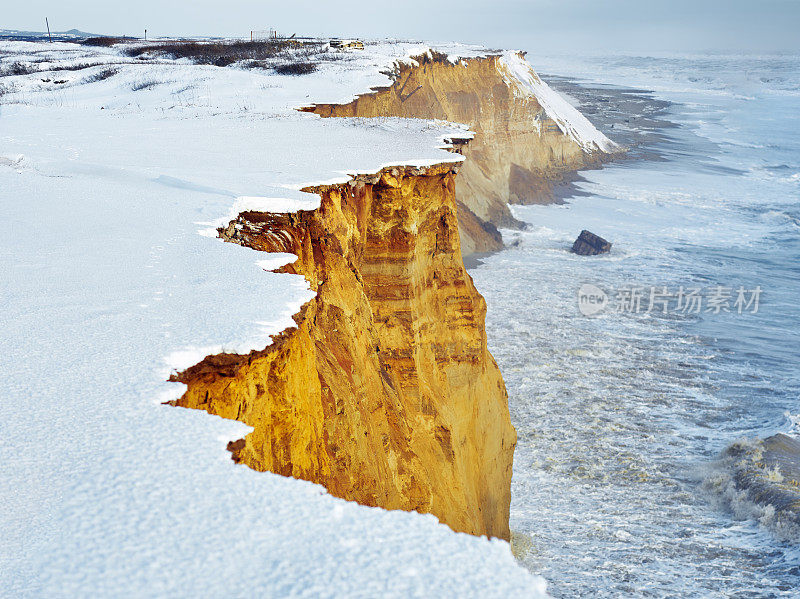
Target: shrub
column 74, row 67
column 432, row 56
column 145, row 84
column 224, row 53
column 222, row 61
column 7, row 90
column 102, row 41
column 101, row 75
column 437, row 56
column 296, row 68
column 255, row 64
column 18, row 68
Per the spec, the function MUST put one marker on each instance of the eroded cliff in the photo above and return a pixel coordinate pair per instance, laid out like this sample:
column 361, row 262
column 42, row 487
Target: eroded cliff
column 520, row 150
column 384, row 392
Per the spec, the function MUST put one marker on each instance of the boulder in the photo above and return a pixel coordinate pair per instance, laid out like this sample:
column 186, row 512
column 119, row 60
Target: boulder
column 589, row 244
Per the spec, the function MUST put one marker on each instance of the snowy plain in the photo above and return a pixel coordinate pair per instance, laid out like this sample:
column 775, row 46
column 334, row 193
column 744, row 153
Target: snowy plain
column 110, row 280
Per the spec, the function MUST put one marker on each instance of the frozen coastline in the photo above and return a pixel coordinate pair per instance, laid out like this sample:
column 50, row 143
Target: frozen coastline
column 107, row 186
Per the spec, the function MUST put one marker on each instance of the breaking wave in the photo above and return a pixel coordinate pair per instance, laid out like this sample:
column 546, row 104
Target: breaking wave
column 759, row 479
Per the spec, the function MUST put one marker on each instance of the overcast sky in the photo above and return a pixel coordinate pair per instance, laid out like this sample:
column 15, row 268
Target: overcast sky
column 555, row 26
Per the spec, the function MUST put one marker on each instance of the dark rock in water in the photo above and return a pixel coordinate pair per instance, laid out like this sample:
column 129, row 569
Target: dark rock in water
column 768, row 471
column 589, row 244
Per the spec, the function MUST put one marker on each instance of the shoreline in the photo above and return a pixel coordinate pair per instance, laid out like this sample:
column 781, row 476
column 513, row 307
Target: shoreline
column 612, row 109
column 621, row 420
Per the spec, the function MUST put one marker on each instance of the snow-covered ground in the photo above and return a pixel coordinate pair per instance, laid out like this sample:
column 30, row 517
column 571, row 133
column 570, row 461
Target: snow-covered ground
column 110, row 280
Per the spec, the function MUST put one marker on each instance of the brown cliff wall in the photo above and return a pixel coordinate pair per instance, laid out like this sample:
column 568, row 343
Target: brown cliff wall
column 518, row 153
column 384, row 392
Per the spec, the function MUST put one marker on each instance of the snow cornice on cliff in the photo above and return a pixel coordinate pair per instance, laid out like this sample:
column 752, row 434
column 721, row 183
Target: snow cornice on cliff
column 519, row 74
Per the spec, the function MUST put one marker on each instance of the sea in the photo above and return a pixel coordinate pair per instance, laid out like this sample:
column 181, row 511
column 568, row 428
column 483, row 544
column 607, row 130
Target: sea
column 631, row 398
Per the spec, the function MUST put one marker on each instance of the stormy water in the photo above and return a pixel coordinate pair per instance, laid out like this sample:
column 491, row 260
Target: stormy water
column 641, row 468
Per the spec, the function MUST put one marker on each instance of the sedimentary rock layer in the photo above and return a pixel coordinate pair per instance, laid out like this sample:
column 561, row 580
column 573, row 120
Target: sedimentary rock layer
column 384, row 392
column 519, row 151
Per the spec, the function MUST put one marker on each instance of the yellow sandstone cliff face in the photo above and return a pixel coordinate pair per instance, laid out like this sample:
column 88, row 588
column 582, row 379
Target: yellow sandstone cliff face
column 384, row 392
column 518, row 152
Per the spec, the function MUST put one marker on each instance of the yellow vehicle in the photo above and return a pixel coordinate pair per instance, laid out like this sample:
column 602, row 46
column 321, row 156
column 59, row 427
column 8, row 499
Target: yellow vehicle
column 347, row 44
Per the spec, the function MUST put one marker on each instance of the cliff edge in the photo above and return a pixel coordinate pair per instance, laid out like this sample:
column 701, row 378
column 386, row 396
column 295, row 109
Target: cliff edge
column 384, row 392
column 527, row 137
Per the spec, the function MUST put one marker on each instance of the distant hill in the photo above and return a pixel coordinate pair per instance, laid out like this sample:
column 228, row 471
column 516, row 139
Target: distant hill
column 60, row 36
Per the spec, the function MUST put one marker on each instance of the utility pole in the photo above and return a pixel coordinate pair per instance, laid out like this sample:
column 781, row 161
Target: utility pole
column 50, row 37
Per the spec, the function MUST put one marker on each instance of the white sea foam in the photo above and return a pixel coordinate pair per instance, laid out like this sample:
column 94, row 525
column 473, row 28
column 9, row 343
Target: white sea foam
column 753, row 491
column 620, row 417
